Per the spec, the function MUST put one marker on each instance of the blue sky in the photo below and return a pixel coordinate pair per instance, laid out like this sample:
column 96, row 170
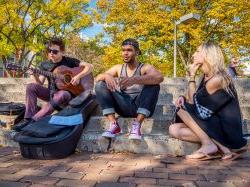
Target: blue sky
column 96, row 28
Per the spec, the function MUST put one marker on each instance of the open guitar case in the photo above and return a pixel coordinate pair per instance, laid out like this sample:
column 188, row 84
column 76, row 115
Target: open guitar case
column 55, row 136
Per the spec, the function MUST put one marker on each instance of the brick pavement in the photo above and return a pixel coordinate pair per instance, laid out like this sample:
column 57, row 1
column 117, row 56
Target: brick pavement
column 120, row 169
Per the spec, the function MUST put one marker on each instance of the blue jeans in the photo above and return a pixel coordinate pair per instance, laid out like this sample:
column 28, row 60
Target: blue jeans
column 125, row 105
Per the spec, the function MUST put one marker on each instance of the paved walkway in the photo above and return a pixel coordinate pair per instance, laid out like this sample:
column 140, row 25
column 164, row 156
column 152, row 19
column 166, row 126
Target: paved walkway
column 120, row 169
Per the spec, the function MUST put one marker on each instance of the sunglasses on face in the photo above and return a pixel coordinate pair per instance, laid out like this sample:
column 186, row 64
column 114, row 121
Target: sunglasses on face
column 53, row 51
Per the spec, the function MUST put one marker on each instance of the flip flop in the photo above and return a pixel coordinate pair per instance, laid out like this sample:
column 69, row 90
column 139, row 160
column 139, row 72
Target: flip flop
column 234, row 154
column 205, row 156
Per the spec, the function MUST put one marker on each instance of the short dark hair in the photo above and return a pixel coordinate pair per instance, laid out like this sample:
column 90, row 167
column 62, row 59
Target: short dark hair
column 57, row 41
column 133, row 42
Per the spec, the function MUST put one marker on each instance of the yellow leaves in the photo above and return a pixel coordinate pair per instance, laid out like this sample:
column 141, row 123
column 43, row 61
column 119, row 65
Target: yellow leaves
column 152, row 23
column 27, row 24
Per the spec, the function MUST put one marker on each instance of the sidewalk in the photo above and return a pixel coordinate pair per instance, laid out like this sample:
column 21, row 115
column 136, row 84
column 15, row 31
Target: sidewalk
column 120, row 169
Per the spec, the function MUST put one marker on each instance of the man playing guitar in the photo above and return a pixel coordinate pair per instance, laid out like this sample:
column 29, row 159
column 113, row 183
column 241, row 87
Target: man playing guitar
column 52, row 94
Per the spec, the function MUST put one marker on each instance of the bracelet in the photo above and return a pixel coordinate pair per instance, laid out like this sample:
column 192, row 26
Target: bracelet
column 191, row 81
column 191, row 78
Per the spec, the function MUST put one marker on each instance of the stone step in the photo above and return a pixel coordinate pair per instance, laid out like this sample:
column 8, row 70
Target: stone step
column 6, row 138
column 177, row 90
column 18, row 81
column 246, row 126
column 153, row 144
column 167, row 80
column 245, row 110
column 162, row 111
column 149, row 126
column 164, row 104
column 164, row 98
column 241, row 82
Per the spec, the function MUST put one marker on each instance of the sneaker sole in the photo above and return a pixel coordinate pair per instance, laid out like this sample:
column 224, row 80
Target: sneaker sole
column 135, row 138
column 110, row 136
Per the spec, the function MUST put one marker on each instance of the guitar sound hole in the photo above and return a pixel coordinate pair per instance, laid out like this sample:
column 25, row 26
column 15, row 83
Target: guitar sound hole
column 67, row 79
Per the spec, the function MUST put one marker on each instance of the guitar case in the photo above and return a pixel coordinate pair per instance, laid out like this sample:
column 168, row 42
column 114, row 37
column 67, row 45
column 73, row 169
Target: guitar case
column 55, row 136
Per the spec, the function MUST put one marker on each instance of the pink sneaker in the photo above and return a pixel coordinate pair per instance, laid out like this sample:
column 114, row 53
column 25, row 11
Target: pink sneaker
column 135, row 133
column 114, row 130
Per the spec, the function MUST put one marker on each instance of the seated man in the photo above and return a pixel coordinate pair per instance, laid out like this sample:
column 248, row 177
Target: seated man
column 231, row 69
column 130, row 89
column 52, row 95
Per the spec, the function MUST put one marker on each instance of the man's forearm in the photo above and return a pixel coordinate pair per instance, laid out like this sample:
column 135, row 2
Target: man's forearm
column 87, row 68
column 100, row 77
column 148, row 79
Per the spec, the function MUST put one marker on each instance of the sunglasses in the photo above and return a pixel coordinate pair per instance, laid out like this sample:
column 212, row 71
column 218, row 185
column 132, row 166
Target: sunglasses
column 53, row 51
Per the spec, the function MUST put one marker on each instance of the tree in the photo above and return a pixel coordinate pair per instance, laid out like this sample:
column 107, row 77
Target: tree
column 152, row 23
column 86, row 50
column 25, row 25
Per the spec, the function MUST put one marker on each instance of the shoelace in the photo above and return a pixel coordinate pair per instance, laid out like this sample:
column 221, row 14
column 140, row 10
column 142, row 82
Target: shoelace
column 112, row 127
column 135, row 128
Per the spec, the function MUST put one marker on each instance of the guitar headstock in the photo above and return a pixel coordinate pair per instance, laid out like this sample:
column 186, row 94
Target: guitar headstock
column 16, row 67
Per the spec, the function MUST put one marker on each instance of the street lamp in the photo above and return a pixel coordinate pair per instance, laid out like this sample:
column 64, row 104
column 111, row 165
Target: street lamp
column 186, row 18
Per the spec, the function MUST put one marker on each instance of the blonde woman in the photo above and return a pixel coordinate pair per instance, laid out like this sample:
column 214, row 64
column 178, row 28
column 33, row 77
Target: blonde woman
column 211, row 114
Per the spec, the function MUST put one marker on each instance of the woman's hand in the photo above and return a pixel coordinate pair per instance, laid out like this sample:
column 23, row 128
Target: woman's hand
column 193, row 68
column 180, row 102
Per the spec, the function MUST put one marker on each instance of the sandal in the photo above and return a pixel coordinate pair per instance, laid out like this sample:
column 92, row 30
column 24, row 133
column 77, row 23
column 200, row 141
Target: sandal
column 204, row 156
column 234, row 154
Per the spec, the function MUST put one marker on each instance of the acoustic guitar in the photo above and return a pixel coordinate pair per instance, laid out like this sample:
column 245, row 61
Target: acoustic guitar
column 62, row 75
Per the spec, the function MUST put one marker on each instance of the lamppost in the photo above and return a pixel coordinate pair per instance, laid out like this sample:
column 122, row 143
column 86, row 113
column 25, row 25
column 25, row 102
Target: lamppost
column 186, row 18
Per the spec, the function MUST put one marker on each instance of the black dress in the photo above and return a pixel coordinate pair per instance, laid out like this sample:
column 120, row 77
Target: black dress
column 218, row 115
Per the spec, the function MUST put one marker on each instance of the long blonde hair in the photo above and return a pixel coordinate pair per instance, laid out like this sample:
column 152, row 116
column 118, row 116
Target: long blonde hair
column 215, row 58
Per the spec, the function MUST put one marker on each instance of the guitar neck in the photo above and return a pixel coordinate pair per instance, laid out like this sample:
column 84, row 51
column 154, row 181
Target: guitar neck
column 45, row 73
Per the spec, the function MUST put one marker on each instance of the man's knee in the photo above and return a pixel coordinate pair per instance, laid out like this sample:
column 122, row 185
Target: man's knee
column 100, row 85
column 62, row 96
column 174, row 131
column 31, row 87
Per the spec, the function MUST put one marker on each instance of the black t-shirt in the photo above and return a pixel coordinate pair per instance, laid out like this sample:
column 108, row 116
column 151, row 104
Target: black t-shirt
column 50, row 66
column 66, row 61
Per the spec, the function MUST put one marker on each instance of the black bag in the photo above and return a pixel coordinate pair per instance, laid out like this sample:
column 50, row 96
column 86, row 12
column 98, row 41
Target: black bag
column 41, row 140
column 11, row 108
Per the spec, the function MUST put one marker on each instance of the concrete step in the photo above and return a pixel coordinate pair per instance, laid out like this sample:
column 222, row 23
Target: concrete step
column 246, row 126
column 6, row 138
column 15, row 81
column 162, row 111
column 153, row 144
column 245, row 110
column 164, row 104
column 155, row 138
column 149, row 126
column 239, row 82
column 164, row 97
